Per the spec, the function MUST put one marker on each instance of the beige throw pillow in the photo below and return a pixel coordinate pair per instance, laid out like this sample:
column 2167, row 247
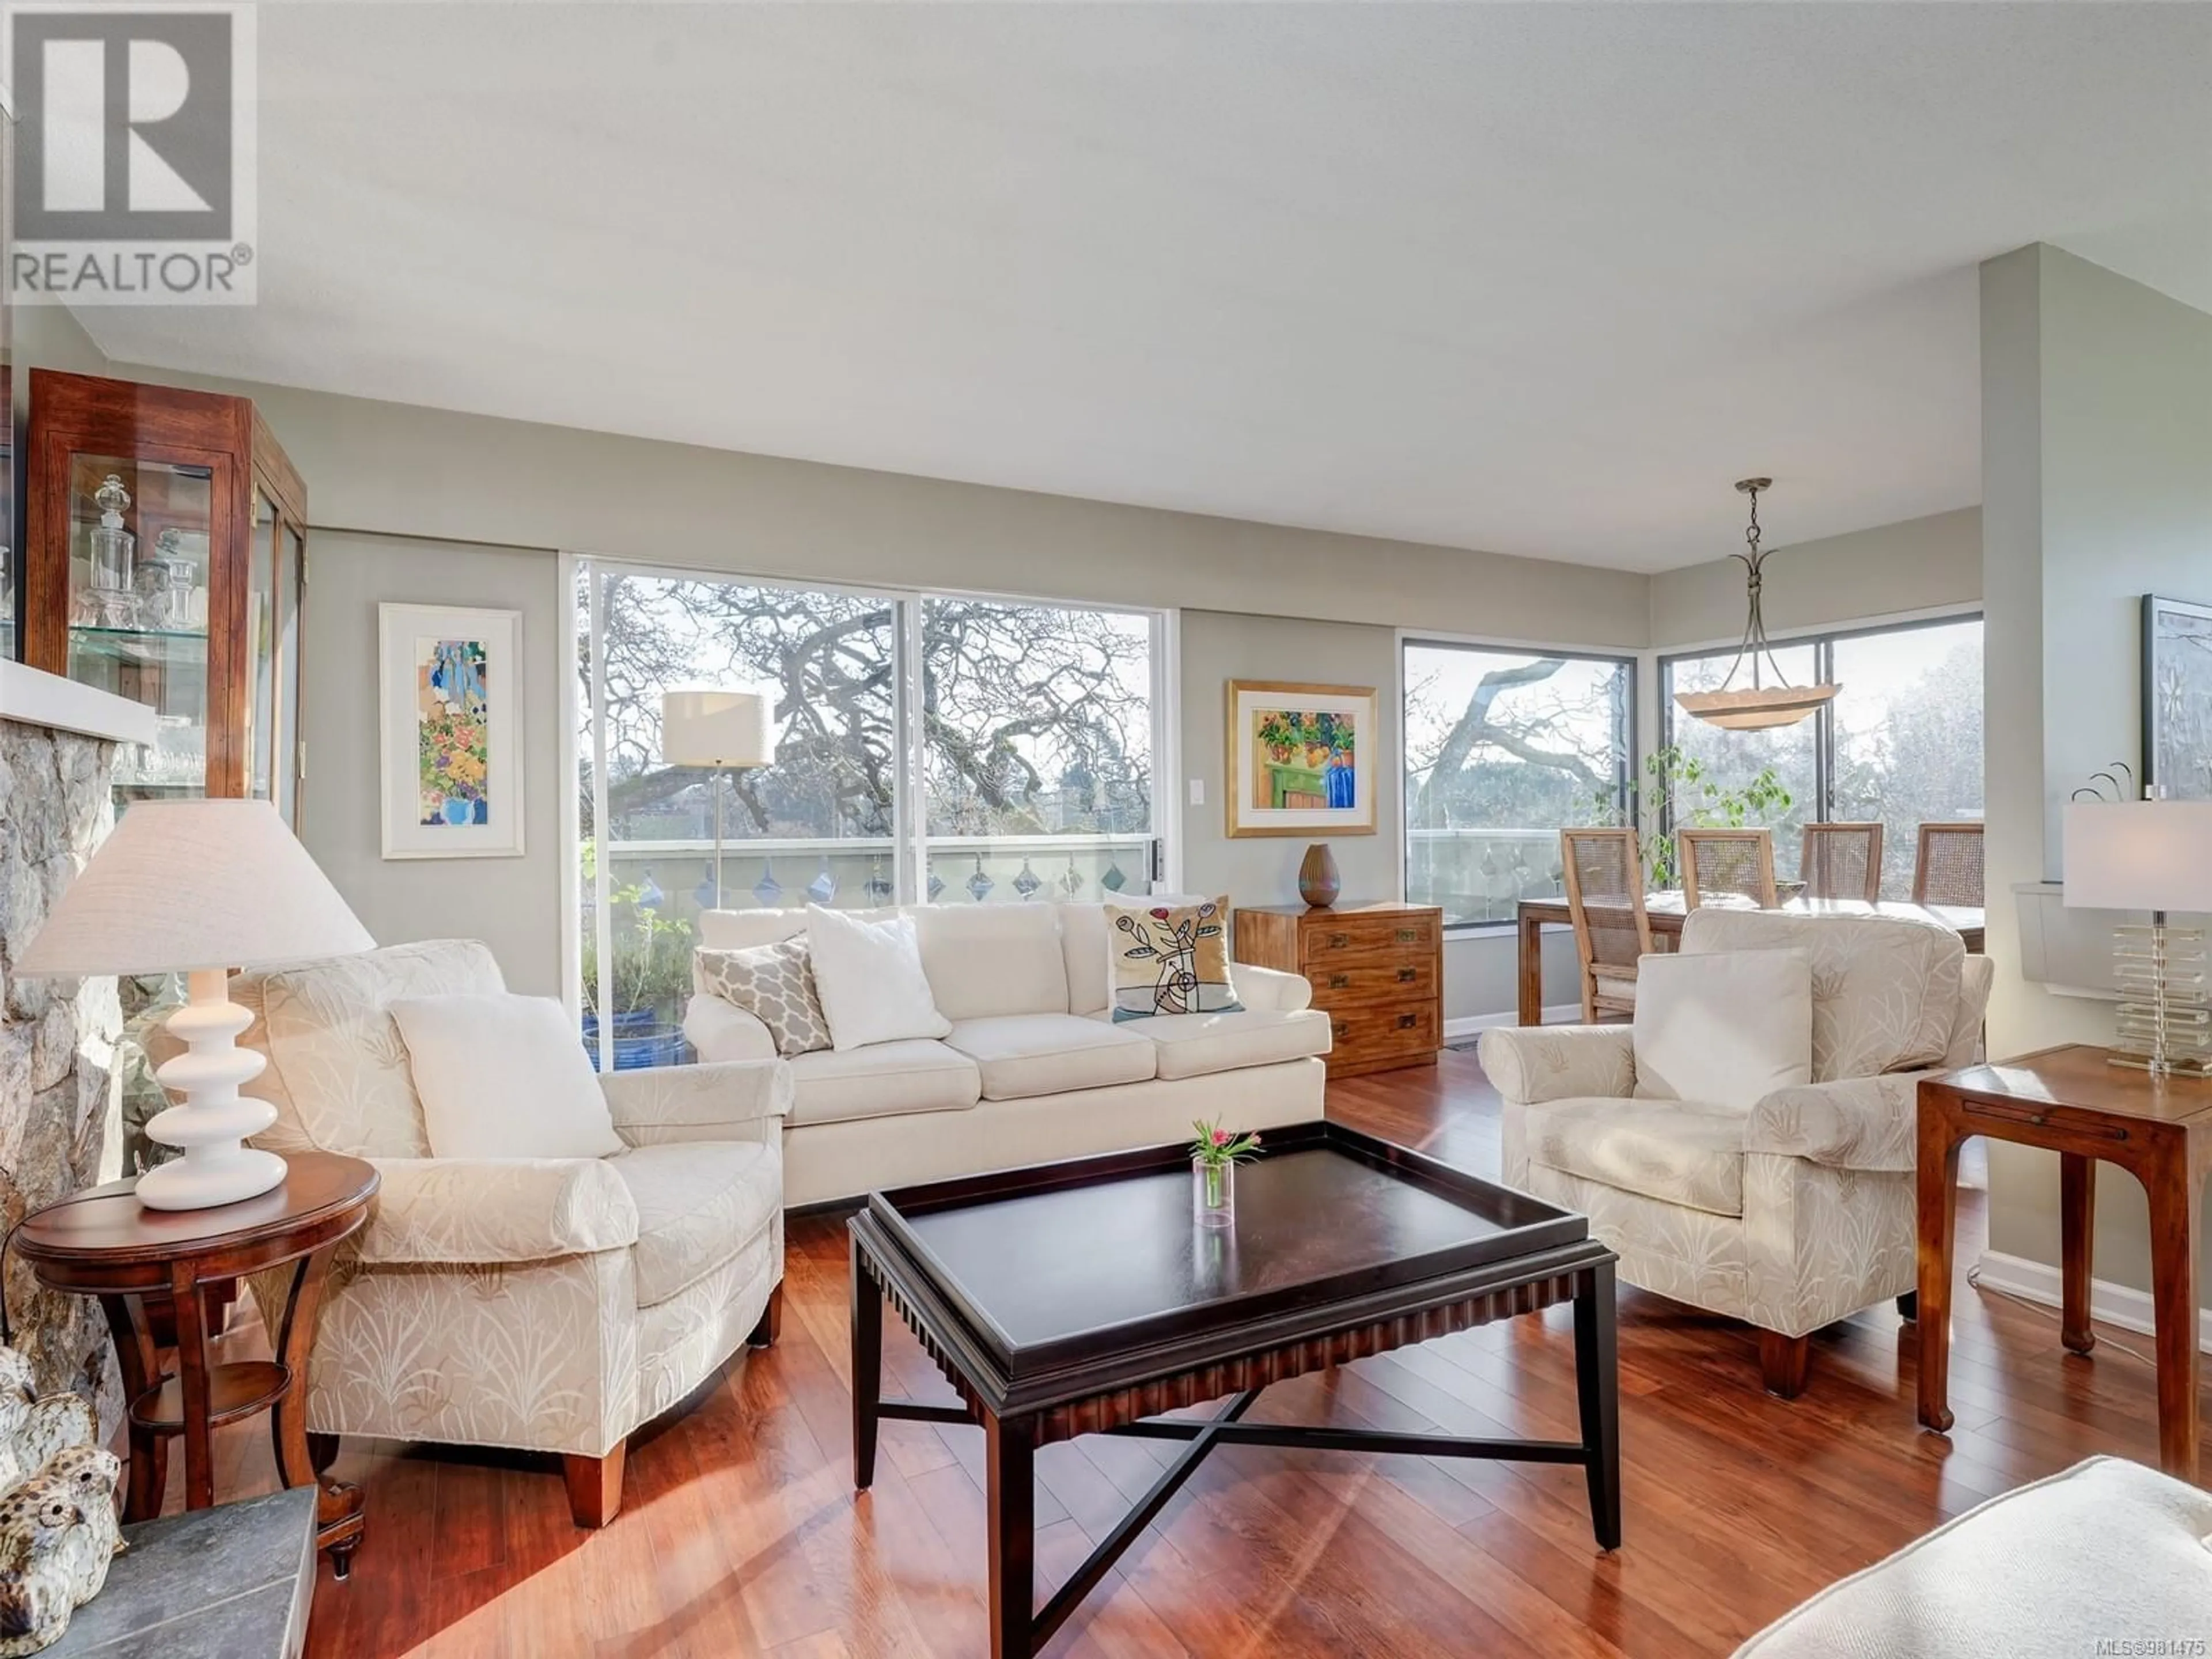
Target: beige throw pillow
column 773, row 983
column 503, row 1076
column 1169, row 958
column 1723, row 1030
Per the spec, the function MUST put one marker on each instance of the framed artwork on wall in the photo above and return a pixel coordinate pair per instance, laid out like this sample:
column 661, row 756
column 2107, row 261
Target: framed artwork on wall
column 450, row 731
column 2177, row 698
column 1301, row 758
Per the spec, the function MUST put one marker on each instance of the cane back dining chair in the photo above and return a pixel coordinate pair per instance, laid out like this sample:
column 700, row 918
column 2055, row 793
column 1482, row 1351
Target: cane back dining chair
column 1604, row 877
column 1948, row 870
column 1726, row 861
column 1842, row 861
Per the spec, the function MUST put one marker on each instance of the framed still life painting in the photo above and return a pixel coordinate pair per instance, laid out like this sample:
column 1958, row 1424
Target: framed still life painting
column 2177, row 698
column 450, row 731
column 1301, row 759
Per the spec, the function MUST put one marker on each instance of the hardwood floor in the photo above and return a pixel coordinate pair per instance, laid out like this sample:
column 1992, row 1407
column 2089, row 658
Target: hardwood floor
column 740, row 1532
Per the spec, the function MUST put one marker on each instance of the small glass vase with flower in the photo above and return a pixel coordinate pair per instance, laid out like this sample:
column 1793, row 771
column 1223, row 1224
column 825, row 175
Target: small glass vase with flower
column 1214, row 1155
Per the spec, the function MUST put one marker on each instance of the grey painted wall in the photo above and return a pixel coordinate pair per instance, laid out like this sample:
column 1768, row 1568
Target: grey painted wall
column 2096, row 485
column 512, row 904
column 1922, row 564
column 429, row 473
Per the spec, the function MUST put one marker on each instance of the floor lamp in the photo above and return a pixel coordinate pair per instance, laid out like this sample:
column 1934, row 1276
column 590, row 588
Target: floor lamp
column 723, row 730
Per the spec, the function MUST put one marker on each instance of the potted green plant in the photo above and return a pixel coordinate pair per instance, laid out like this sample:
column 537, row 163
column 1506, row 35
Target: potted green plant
column 1681, row 792
column 642, row 997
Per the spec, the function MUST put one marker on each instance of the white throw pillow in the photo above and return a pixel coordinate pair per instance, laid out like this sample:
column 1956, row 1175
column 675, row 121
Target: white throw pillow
column 503, row 1076
column 1726, row 1029
column 869, row 978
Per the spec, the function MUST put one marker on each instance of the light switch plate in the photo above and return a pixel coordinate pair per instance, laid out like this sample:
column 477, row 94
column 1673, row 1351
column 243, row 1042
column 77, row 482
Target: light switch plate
column 1197, row 792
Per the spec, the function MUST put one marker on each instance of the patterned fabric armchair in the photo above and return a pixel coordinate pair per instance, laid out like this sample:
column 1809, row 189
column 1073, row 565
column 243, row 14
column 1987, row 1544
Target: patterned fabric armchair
column 550, row 1305
column 1794, row 1213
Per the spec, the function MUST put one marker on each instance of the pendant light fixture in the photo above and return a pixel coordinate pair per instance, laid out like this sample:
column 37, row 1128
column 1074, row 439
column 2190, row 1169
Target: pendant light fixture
column 1758, row 706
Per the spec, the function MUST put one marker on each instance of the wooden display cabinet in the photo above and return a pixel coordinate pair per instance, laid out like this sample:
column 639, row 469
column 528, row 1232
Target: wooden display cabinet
column 198, row 612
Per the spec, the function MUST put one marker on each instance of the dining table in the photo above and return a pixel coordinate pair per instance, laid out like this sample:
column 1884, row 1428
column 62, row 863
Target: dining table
column 1666, row 912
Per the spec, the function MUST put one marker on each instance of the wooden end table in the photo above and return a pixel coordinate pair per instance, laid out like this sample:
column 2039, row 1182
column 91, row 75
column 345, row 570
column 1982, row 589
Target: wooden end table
column 2072, row 1101
column 104, row 1242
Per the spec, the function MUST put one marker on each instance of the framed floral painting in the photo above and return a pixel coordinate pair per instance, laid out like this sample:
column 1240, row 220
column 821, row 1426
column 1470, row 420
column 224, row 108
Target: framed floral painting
column 450, row 731
column 1301, row 759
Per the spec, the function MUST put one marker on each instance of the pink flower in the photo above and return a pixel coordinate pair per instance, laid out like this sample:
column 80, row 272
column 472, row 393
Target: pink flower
column 1255, row 1140
column 1221, row 1137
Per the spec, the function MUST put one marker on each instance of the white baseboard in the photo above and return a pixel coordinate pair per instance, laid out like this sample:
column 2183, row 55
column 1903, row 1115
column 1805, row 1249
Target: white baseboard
column 1467, row 1025
column 2116, row 1305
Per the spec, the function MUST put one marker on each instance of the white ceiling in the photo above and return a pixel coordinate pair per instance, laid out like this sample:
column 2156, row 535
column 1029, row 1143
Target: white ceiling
column 1542, row 278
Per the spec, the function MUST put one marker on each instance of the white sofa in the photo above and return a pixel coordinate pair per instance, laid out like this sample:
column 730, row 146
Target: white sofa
column 1034, row 1068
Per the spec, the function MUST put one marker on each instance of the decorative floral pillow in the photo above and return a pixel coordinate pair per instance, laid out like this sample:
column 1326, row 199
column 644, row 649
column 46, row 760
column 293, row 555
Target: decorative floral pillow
column 1170, row 959
column 773, row 983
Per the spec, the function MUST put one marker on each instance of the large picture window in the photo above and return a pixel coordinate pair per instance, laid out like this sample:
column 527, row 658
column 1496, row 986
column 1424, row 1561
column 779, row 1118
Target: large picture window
column 1503, row 749
column 934, row 748
column 1901, row 744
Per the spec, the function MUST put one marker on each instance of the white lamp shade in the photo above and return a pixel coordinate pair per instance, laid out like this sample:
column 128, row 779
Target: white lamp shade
column 2139, row 855
column 189, row 884
column 715, row 728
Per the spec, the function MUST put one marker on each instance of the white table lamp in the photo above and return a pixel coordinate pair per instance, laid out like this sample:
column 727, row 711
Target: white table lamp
column 716, row 729
column 2153, row 855
column 199, row 887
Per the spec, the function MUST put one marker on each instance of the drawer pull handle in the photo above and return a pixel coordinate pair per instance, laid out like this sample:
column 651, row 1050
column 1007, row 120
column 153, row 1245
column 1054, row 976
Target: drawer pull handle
column 1407, row 975
column 1338, row 981
column 1407, row 1022
column 1410, row 936
column 1338, row 941
column 1339, row 1029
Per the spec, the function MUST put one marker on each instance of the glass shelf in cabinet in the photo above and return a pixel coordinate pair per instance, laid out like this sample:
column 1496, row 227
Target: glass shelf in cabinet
column 140, row 644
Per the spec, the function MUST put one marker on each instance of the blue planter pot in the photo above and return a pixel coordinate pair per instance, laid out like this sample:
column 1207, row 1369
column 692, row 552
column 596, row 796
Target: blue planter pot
column 642, row 1039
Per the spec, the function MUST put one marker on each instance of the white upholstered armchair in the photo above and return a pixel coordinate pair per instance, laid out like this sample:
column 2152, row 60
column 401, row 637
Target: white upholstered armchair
column 1792, row 1214
column 549, row 1304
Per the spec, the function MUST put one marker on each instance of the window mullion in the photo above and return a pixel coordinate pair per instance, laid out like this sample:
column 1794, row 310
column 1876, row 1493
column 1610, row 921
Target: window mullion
column 909, row 809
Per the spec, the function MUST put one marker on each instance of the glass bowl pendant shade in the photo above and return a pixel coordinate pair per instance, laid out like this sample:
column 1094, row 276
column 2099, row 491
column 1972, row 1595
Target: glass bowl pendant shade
column 1757, row 706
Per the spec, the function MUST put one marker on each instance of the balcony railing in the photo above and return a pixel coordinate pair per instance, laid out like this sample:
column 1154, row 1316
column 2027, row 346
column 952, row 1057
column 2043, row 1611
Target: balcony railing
column 1482, row 875
column 677, row 877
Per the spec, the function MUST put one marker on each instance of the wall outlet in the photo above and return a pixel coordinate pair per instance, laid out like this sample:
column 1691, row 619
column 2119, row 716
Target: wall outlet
column 1197, row 792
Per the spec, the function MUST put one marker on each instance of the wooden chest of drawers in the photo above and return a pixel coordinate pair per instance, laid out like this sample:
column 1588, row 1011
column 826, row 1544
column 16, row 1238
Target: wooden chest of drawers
column 1377, row 969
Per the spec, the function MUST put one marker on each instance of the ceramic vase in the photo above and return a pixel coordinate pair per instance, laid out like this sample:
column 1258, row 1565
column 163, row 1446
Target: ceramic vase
column 1318, row 882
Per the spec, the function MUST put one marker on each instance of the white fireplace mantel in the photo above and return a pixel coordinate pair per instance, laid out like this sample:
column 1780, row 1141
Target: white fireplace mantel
column 31, row 696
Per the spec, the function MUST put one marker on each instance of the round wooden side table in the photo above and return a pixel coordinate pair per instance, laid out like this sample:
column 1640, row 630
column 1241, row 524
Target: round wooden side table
column 103, row 1243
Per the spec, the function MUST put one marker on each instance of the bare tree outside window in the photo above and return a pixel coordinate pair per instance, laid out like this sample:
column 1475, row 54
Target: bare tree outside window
column 1503, row 749
column 1035, row 726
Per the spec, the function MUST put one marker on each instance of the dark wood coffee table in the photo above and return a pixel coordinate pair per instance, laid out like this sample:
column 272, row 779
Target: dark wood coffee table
column 1081, row 1298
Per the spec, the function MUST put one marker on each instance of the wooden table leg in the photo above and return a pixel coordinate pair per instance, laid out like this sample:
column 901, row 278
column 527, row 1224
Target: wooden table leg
column 1597, row 1385
column 2175, row 1235
column 867, row 1321
column 1010, row 1497
column 340, row 1522
column 192, row 1374
column 1938, row 1193
column 140, row 1364
column 1532, row 972
column 2077, row 1215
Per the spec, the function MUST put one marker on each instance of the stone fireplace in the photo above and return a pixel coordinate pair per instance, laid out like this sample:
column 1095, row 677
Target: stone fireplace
column 58, row 1104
